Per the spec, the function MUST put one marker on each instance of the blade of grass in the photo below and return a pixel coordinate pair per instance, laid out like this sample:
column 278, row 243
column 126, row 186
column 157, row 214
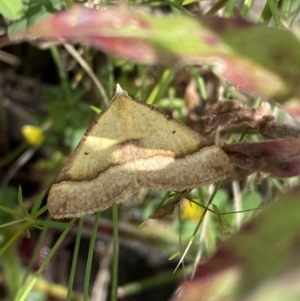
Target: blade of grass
column 60, row 71
column 13, row 222
column 11, row 265
column 266, row 15
column 114, row 284
column 161, row 87
column 292, row 11
column 74, row 260
column 143, row 75
column 29, row 286
column 15, row 236
column 199, row 223
column 36, row 251
column 135, row 288
column 274, row 10
column 180, row 238
column 216, row 7
column 51, row 224
column 41, row 211
column 229, row 9
column 20, row 201
column 90, row 258
column 12, row 211
column 110, row 78
column 37, row 203
column 200, row 82
column 246, row 7
column 180, row 8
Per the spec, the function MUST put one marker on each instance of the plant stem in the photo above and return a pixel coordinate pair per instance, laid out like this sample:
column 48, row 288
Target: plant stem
column 114, row 284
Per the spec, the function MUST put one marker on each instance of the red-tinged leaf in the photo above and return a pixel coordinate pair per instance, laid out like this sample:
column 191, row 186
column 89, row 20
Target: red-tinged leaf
column 250, row 75
column 240, row 49
column 138, row 50
column 280, row 158
column 260, row 262
column 270, row 47
column 131, row 34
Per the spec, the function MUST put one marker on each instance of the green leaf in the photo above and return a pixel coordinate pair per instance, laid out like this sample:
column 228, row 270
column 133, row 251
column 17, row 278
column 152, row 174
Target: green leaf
column 38, row 202
column 20, row 200
column 216, row 209
column 11, row 9
column 34, row 10
column 186, row 2
column 96, row 109
column 174, row 255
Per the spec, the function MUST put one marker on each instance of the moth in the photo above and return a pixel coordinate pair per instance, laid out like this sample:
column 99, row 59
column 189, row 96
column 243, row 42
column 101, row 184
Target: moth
column 132, row 143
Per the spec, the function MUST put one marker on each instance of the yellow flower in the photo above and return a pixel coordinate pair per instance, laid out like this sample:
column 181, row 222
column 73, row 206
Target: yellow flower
column 191, row 210
column 33, row 134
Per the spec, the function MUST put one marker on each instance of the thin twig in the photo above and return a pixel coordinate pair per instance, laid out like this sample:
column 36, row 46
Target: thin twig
column 100, row 288
column 22, row 160
column 76, row 55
